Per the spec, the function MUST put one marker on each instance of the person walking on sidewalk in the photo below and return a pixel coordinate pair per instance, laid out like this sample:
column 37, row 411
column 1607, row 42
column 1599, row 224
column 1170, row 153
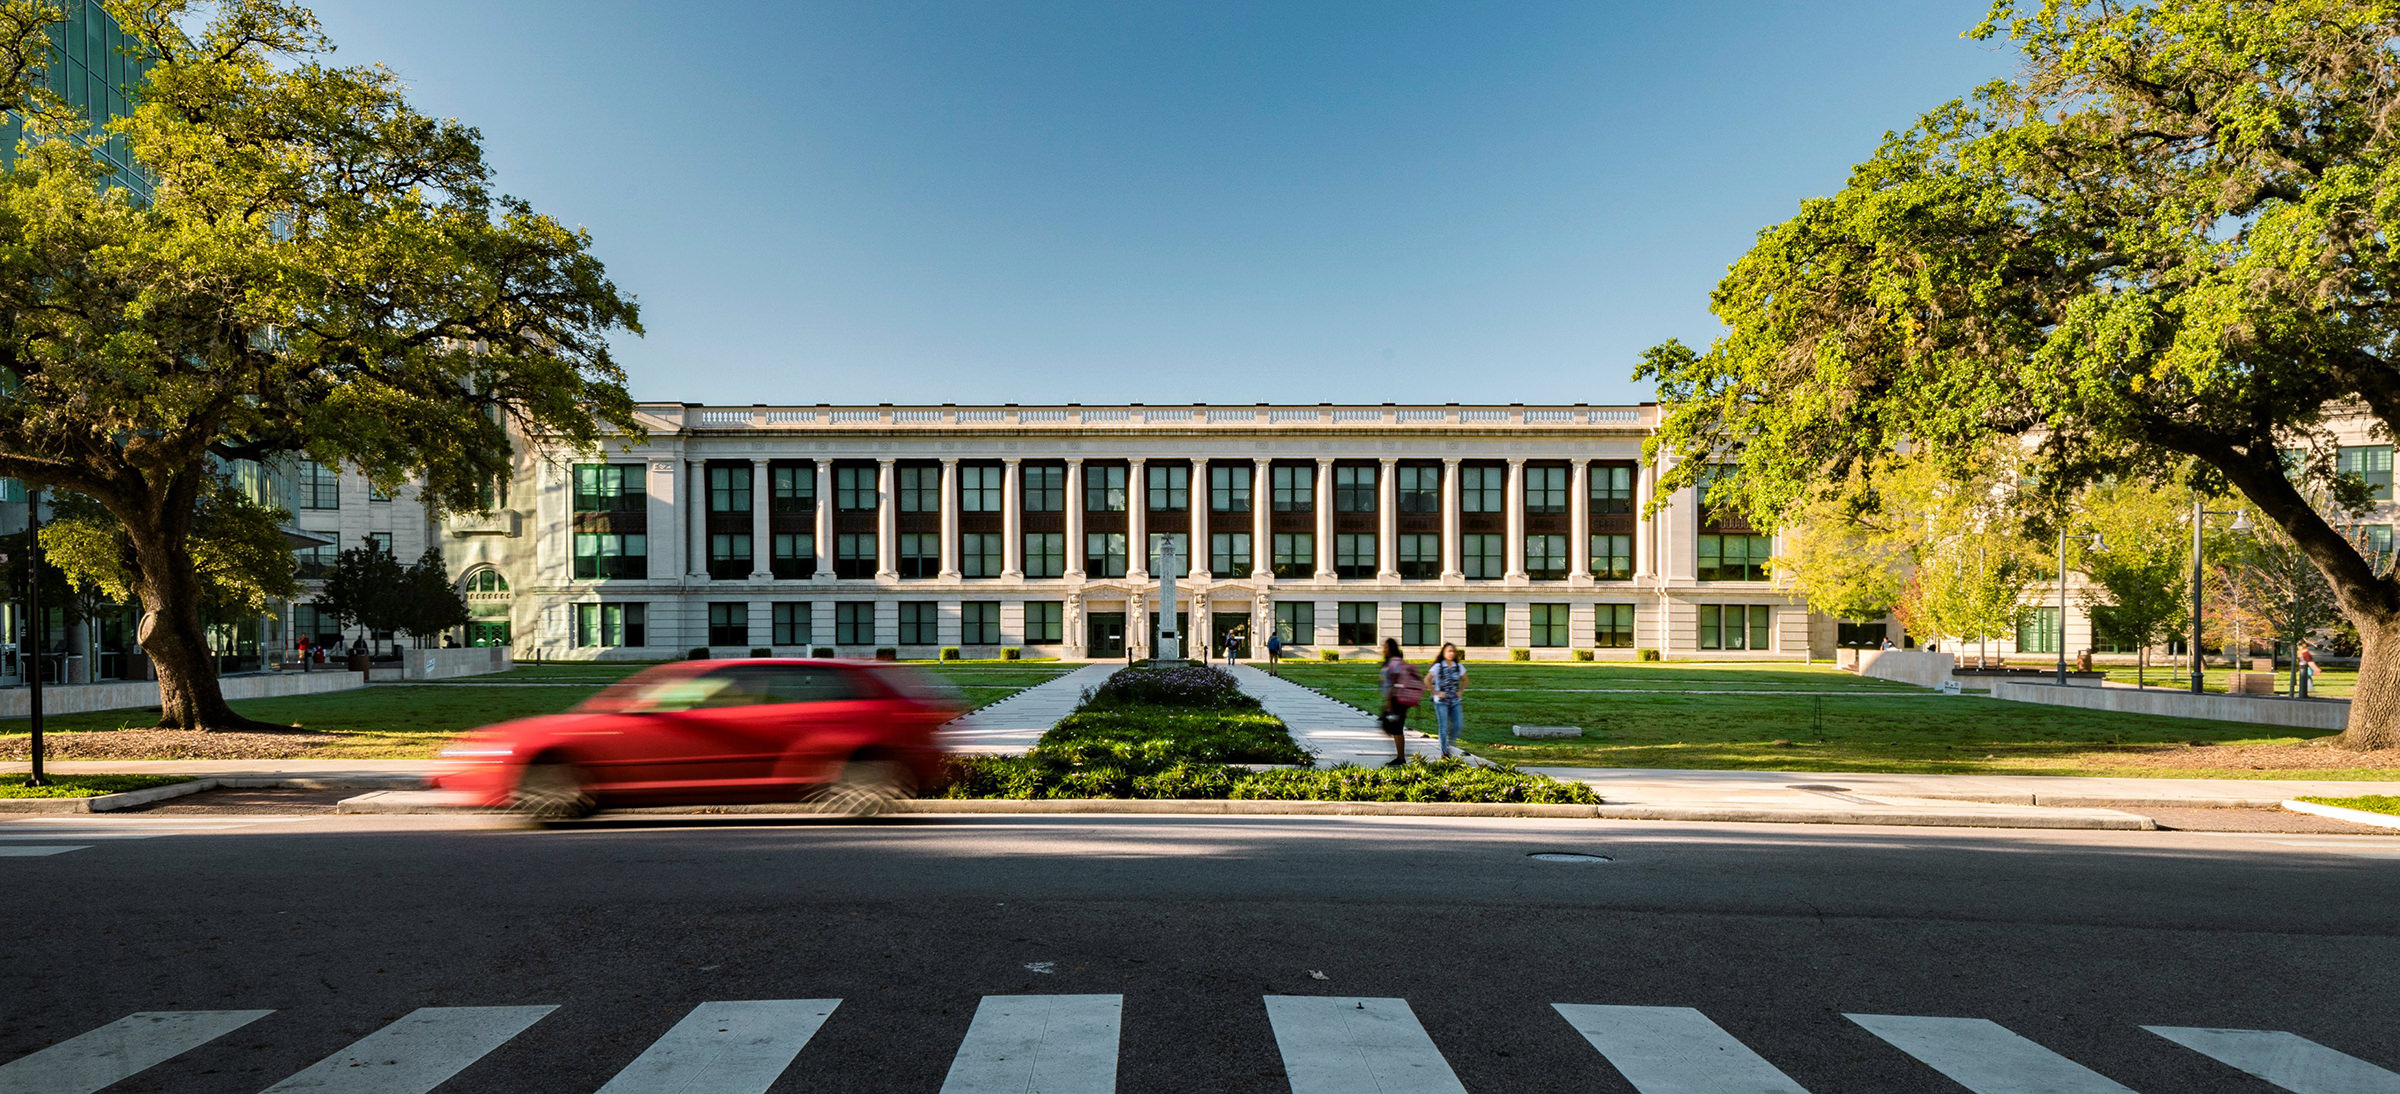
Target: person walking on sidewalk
column 1403, row 687
column 1446, row 684
column 1274, row 651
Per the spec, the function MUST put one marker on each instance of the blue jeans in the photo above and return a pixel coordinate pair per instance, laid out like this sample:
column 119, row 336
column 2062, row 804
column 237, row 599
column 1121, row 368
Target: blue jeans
column 1447, row 721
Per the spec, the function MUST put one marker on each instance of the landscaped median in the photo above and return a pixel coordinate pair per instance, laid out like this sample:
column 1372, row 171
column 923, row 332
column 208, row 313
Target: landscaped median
column 2380, row 810
column 1189, row 734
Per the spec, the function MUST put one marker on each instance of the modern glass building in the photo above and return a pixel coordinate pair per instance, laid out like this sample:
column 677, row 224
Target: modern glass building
column 97, row 68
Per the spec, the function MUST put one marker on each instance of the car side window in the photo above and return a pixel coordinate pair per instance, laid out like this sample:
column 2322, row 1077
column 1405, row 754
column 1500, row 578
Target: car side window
column 809, row 684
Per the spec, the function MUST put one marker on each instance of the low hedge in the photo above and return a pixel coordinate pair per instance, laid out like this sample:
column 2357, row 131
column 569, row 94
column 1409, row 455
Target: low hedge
column 1190, row 687
column 1152, row 774
column 1202, row 736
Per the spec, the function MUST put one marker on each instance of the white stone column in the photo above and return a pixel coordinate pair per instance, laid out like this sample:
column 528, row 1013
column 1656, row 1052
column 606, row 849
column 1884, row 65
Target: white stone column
column 1579, row 522
column 1451, row 571
column 1012, row 517
column 1262, row 538
column 1645, row 553
column 887, row 521
column 1196, row 502
column 1137, row 523
column 1074, row 507
column 762, row 548
column 1324, row 500
column 824, row 473
column 949, row 518
column 1516, row 518
column 1387, row 520
column 697, row 514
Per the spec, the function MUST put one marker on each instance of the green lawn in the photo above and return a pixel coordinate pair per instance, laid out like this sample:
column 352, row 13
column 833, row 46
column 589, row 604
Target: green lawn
column 82, row 786
column 1712, row 715
column 2369, row 803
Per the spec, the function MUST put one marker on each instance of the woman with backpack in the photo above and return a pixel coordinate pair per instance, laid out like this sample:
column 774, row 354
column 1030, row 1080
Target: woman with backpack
column 1402, row 688
column 1446, row 683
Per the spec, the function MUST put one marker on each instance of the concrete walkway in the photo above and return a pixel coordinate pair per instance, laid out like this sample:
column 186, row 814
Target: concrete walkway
column 1336, row 731
column 1011, row 726
column 1633, row 786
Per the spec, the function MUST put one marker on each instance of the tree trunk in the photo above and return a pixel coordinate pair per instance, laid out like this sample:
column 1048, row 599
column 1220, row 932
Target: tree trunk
column 2375, row 698
column 177, row 644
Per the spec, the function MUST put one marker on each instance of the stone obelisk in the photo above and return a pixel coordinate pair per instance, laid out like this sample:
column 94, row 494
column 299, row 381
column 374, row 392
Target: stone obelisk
column 1170, row 644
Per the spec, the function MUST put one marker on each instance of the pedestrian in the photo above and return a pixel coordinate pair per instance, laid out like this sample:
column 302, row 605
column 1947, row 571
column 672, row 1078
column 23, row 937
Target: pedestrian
column 1446, row 684
column 1274, row 650
column 1402, row 688
column 302, row 644
column 2306, row 674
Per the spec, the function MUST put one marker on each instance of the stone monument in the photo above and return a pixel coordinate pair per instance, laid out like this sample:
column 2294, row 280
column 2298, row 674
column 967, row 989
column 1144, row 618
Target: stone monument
column 1170, row 644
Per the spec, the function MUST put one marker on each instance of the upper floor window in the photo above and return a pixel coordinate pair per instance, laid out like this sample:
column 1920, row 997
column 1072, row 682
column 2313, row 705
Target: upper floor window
column 1545, row 489
column 1483, row 489
column 795, row 489
column 1354, row 489
column 1734, row 558
column 1104, row 489
column 1170, row 487
column 1612, row 489
column 316, row 486
column 920, row 489
column 1295, row 489
column 1229, row 489
column 2371, row 462
column 979, row 488
column 855, row 489
column 1420, row 488
column 728, row 489
column 1045, row 488
column 610, row 487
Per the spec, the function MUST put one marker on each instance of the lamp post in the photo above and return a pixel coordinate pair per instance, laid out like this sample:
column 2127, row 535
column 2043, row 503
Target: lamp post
column 2200, row 515
column 2095, row 546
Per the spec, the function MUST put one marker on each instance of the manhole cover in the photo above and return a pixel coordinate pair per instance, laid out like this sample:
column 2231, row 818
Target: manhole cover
column 1566, row 856
column 1819, row 786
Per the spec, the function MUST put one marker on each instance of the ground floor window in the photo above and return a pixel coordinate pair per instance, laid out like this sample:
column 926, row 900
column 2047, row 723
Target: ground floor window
column 979, row 554
column 1045, row 554
column 1549, row 622
column 1487, row 624
column 1229, row 554
column 854, row 623
column 1612, row 558
column 2037, row 631
column 1859, row 636
column 1612, row 626
column 1421, row 625
column 611, row 624
column 920, row 623
column 1104, row 554
column 979, row 623
column 1045, row 621
column 1296, row 623
column 729, row 624
column 854, row 554
column 1356, row 626
column 793, row 626
column 1483, row 558
column 1736, row 626
column 321, row 629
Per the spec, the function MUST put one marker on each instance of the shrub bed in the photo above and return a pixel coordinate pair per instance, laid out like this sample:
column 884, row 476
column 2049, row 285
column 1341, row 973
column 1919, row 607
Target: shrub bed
column 1202, row 736
column 1188, row 687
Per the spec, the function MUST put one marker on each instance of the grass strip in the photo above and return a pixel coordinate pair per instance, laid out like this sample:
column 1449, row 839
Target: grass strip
column 85, row 786
column 2365, row 803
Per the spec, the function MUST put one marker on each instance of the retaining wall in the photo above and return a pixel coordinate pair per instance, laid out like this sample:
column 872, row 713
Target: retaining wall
column 2319, row 715
column 463, row 661
column 135, row 694
column 1925, row 669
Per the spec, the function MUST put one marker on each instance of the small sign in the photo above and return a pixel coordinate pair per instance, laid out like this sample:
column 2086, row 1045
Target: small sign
column 1949, row 687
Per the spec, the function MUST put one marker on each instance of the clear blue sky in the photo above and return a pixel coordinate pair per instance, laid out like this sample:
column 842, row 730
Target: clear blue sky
column 1217, row 200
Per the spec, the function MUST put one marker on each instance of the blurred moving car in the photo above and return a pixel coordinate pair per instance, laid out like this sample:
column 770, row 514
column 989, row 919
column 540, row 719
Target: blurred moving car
column 843, row 736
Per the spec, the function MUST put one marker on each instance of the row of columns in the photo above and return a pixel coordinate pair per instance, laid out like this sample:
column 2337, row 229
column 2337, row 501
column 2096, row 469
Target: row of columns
column 695, row 506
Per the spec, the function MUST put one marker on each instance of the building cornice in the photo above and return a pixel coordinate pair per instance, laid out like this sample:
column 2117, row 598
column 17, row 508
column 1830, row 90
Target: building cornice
column 1137, row 419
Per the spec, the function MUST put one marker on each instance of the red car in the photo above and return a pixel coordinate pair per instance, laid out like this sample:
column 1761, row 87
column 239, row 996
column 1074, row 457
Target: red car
column 845, row 736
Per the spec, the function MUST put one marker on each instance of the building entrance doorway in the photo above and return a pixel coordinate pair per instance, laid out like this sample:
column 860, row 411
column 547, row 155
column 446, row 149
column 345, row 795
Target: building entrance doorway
column 487, row 632
column 1104, row 634
column 1183, row 632
column 1236, row 624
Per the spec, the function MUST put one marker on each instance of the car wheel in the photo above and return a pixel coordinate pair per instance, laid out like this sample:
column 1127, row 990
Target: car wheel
column 551, row 792
column 866, row 787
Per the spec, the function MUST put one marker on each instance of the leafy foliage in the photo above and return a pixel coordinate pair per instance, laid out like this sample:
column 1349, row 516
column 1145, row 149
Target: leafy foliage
column 369, row 587
column 237, row 545
column 1197, row 687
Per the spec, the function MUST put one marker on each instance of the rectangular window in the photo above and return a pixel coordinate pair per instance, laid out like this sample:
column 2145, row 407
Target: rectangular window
column 1296, row 623
column 795, row 555
column 920, row 489
column 1356, row 626
column 599, row 625
column 1734, row 558
column 855, row 489
column 1419, row 488
column 729, row 624
column 1183, row 552
column 1103, row 489
column 2371, row 462
column 381, row 541
column 1421, row 625
column 1295, row 554
column 854, row 554
column 1045, row 554
column 1228, row 489
column 2037, row 632
column 728, row 489
column 1546, row 558
column 920, row 623
column 1736, row 626
column 1420, row 557
column 1354, row 489
column 1612, row 489
column 979, row 554
column 1483, row 557
column 316, row 486
column 1354, row 555
column 1612, row 558
column 1045, row 488
column 610, row 488
column 795, row 489
column 1104, row 554
column 792, row 625
column 920, row 554
column 1045, row 621
column 979, row 489
column 1545, row 489
column 378, row 493
column 728, row 555
column 603, row 555
column 979, row 623
column 1487, row 624
column 1229, row 554
column 854, row 623
column 1612, row 626
column 1170, row 487
column 315, row 562
column 1549, row 625
column 2374, row 543
column 1295, row 489
column 1483, row 489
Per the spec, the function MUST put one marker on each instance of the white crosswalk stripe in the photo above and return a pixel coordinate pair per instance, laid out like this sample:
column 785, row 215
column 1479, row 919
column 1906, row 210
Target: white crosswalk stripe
column 1053, row 1044
column 725, row 1048
column 2288, row 1060
column 1675, row 1050
column 1985, row 1057
column 1349, row 1045
column 415, row 1054
column 119, row 1050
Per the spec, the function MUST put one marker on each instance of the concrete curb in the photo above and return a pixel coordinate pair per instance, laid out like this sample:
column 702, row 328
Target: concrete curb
column 2341, row 813
column 128, row 799
column 2088, row 801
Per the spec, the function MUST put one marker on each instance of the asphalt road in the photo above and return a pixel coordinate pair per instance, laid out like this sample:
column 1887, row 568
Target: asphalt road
column 342, row 926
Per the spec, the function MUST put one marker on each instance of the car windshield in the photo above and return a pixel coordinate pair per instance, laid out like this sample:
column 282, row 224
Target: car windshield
column 751, row 684
column 675, row 687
